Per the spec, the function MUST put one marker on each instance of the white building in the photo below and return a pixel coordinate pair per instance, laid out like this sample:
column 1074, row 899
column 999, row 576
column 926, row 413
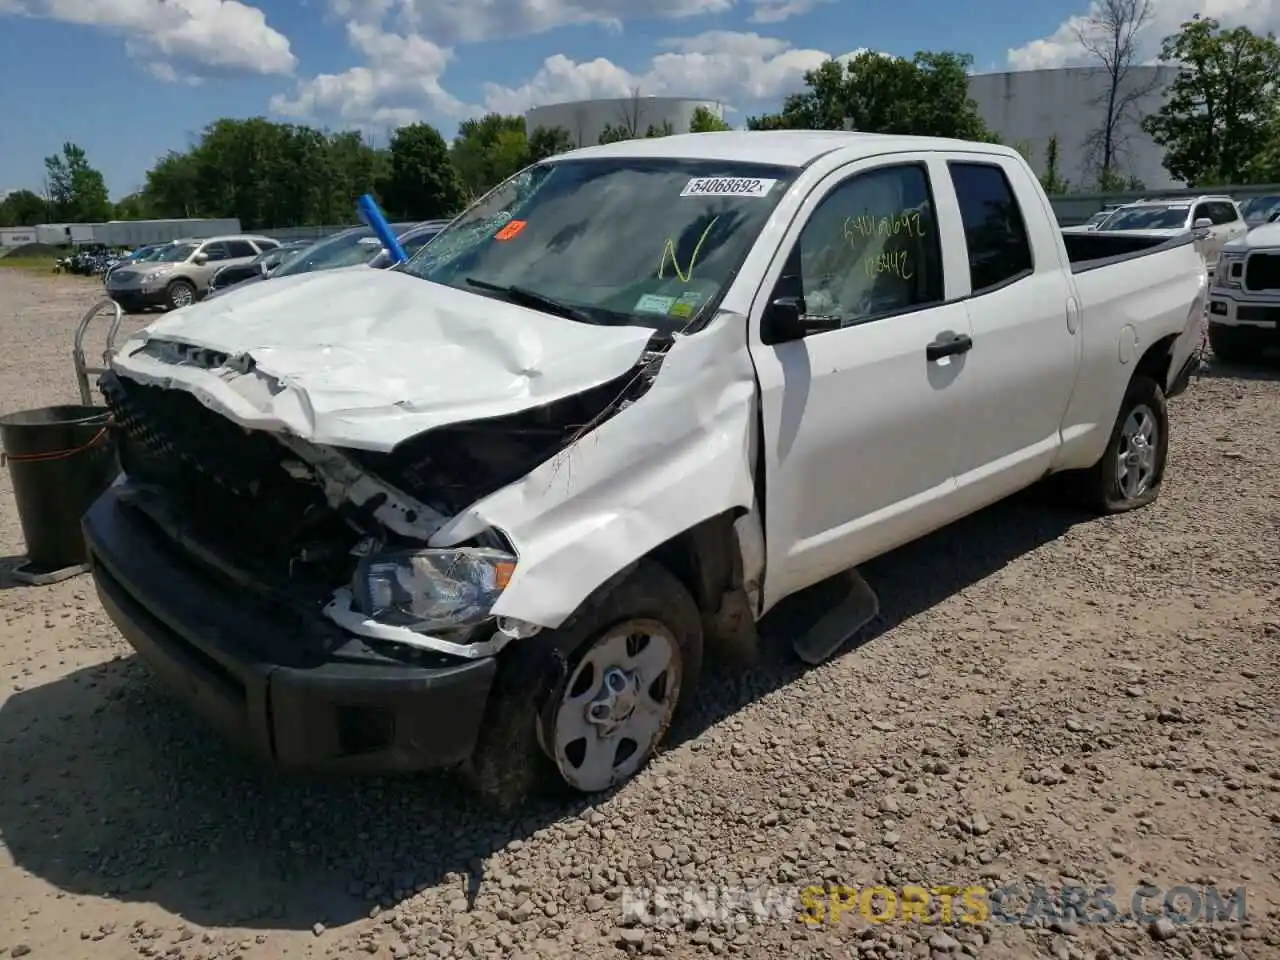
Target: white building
column 1025, row 107
column 586, row 119
column 1030, row 106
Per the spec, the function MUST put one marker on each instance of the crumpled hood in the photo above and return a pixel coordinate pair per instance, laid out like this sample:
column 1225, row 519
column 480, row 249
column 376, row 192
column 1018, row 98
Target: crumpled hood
column 369, row 358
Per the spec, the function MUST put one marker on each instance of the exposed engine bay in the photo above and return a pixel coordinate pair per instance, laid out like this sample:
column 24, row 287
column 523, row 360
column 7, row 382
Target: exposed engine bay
column 298, row 517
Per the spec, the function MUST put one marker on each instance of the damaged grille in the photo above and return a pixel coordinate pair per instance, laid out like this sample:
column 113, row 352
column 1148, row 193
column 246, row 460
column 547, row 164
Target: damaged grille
column 227, row 484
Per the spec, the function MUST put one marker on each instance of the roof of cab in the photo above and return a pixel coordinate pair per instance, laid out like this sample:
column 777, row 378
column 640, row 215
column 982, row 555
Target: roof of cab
column 788, row 148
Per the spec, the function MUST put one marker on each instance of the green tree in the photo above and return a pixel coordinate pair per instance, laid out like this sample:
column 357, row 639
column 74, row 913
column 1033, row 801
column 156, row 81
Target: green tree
column 547, row 142
column 488, row 150
column 170, row 188
column 422, row 183
column 664, row 129
column 1221, row 113
column 614, row 134
column 23, row 208
column 927, row 95
column 130, row 207
column 266, row 174
column 704, row 121
column 1052, row 181
column 77, row 192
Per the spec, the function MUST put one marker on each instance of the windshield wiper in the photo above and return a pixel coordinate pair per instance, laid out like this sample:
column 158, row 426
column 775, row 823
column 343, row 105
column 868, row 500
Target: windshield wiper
column 531, row 298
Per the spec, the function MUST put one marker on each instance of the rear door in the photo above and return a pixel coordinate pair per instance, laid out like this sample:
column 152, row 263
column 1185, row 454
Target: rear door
column 1227, row 225
column 860, row 426
column 1024, row 317
column 241, row 251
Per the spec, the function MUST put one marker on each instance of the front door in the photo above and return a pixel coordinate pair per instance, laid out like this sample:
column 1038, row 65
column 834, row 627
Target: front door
column 860, row 425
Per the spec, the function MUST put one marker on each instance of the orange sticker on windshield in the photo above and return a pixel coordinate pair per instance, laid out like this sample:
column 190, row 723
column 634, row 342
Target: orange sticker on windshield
column 510, row 231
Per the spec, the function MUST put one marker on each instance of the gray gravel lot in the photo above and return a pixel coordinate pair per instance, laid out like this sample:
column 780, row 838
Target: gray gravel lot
column 1045, row 701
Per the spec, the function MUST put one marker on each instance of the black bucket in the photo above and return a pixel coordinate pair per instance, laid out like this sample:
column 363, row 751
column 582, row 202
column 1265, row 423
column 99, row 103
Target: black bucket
column 60, row 460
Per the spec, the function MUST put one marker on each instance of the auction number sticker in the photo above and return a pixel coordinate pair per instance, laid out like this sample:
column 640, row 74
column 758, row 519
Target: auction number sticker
column 727, row 187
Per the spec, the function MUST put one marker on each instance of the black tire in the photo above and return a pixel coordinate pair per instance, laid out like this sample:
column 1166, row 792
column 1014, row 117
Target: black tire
column 1099, row 488
column 175, row 292
column 509, row 762
column 1229, row 346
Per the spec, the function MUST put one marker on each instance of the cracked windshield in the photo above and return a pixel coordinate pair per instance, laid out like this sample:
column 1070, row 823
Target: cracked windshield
column 652, row 242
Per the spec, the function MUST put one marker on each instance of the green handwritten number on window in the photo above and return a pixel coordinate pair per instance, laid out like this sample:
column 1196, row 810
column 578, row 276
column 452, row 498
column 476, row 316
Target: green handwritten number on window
column 669, row 250
column 907, row 222
column 897, row 264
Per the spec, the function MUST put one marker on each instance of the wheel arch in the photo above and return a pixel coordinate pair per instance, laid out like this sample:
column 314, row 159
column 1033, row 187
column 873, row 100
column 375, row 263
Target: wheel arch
column 1157, row 361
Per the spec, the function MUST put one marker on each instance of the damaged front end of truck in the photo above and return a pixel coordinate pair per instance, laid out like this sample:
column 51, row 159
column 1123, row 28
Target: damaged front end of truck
column 454, row 540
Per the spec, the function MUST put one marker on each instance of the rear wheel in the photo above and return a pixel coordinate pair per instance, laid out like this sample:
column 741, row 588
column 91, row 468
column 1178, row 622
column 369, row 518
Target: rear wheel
column 180, row 293
column 1131, row 470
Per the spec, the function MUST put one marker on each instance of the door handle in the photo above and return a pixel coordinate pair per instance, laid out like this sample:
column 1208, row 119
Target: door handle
column 948, row 346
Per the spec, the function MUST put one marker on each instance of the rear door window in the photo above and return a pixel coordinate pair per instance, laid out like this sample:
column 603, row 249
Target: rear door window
column 994, row 228
column 1223, row 213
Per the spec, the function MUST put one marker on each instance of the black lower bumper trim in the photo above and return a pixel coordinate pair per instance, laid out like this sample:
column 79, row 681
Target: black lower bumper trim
column 211, row 645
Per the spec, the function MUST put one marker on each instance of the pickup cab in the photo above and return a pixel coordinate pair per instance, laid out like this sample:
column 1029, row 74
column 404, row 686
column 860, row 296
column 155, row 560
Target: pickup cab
column 489, row 508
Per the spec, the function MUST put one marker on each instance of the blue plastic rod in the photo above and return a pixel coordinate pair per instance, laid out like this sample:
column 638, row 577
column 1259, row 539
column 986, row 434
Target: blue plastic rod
column 378, row 223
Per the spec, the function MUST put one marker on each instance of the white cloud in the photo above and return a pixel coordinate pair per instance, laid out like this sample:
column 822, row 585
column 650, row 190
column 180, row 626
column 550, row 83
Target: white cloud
column 775, row 11
column 1062, row 48
column 718, row 65
column 399, row 84
column 178, row 38
column 476, row 20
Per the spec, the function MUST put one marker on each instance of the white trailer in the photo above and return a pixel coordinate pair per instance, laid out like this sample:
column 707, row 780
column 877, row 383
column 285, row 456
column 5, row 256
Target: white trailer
column 17, row 236
column 135, row 233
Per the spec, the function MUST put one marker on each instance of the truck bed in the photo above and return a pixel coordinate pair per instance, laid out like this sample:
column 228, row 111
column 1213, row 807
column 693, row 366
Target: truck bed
column 1089, row 251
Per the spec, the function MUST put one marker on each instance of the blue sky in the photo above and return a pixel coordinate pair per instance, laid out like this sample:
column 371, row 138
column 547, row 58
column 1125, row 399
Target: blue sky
column 129, row 79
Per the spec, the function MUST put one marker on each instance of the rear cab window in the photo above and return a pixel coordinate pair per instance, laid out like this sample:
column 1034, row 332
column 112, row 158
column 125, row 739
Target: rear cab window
column 995, row 230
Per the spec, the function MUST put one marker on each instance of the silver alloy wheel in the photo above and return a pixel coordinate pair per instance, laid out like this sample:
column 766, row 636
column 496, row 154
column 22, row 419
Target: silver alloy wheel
column 181, row 295
column 1136, row 456
column 617, row 705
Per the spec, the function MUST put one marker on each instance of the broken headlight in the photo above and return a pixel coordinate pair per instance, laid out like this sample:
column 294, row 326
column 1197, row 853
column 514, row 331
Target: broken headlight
column 431, row 589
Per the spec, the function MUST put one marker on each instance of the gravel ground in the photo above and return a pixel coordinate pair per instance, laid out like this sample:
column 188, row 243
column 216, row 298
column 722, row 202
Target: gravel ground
column 1046, row 701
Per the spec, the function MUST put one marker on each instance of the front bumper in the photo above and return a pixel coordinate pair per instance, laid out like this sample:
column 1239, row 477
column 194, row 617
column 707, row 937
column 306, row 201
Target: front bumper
column 1247, row 317
column 138, row 298
column 253, row 673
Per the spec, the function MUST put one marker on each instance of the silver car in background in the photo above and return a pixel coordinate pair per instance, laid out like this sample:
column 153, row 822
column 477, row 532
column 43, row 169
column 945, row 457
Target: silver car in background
column 180, row 273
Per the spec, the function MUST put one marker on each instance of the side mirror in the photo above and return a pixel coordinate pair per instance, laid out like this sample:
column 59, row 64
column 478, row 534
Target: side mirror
column 1274, row 217
column 200, row 259
column 1203, row 223
column 785, row 320
column 264, row 269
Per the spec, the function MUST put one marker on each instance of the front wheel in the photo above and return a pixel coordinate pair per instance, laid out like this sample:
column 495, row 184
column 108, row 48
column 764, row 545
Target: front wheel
column 180, row 294
column 1130, row 473
column 1229, row 345
column 630, row 660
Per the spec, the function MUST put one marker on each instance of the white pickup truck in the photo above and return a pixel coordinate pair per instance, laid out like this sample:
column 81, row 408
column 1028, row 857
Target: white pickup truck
column 1244, row 301
column 488, row 508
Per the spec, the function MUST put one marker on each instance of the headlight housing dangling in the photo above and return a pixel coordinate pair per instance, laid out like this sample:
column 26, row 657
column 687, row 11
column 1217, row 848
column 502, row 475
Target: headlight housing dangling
column 428, row 589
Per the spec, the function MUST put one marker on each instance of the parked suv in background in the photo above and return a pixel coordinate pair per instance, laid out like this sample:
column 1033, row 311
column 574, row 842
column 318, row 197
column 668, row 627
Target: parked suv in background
column 180, row 274
column 261, row 266
column 1214, row 221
